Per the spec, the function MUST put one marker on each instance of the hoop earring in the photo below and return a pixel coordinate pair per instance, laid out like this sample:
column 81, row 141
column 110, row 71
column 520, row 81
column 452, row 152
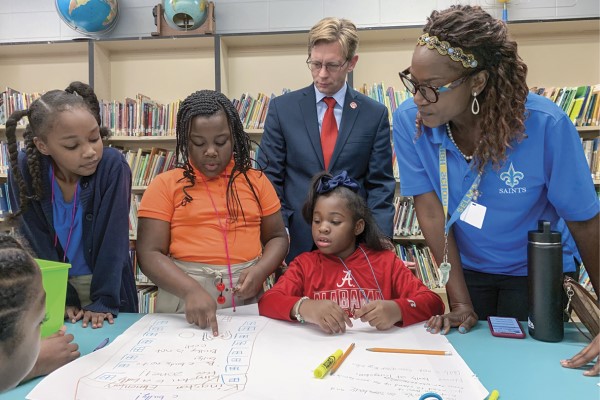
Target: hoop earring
column 475, row 104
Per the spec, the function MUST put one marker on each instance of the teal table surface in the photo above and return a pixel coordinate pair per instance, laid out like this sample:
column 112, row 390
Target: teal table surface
column 518, row 368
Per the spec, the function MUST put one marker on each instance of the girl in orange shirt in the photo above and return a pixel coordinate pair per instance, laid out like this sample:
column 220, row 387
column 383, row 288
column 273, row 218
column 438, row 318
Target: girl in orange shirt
column 210, row 231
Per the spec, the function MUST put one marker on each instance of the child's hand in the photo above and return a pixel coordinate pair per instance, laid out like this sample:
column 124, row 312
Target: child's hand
column 56, row 350
column 201, row 309
column 248, row 285
column 330, row 317
column 96, row 318
column 382, row 314
column 73, row 313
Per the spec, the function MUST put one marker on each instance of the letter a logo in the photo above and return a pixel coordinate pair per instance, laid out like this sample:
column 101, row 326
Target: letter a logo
column 347, row 279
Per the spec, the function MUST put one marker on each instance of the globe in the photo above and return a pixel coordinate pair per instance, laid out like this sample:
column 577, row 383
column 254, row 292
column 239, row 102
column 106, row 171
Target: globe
column 90, row 17
column 185, row 15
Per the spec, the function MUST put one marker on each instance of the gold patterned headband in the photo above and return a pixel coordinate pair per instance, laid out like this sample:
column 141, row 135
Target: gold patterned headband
column 445, row 49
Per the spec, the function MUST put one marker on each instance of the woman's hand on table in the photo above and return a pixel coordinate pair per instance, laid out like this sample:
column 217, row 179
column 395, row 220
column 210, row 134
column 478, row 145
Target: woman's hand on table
column 586, row 356
column 463, row 317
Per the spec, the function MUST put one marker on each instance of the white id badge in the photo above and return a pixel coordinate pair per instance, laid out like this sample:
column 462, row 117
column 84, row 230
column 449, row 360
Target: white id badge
column 474, row 214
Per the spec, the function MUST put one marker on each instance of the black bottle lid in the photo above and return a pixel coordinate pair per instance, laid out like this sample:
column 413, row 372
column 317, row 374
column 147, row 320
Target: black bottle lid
column 544, row 234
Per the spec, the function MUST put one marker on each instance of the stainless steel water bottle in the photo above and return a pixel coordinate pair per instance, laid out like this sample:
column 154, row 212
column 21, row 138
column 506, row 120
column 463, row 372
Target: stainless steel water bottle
column 545, row 274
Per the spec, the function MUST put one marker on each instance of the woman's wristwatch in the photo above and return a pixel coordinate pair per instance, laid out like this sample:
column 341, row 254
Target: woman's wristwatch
column 296, row 311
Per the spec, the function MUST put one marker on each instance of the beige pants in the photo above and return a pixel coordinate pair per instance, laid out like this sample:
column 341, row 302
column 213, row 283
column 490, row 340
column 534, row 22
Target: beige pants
column 207, row 276
column 82, row 284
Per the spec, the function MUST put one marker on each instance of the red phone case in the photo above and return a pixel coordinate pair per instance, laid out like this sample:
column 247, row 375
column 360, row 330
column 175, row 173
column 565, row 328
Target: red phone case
column 507, row 327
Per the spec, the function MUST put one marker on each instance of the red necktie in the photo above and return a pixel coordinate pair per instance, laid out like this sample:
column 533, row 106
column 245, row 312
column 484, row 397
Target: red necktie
column 329, row 131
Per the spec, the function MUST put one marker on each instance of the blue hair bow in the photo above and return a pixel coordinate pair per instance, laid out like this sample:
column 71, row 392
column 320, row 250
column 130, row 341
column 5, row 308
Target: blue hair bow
column 327, row 184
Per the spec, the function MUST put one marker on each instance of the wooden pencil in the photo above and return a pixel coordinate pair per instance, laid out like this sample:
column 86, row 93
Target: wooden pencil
column 341, row 359
column 410, row 351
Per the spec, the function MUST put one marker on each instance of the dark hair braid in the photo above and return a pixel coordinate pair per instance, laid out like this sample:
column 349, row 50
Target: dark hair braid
column 13, row 152
column 371, row 236
column 33, row 163
column 42, row 115
column 17, row 268
column 90, row 98
column 205, row 103
column 503, row 99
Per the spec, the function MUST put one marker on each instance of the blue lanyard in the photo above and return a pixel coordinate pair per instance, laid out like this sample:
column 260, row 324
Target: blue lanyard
column 464, row 203
column 445, row 267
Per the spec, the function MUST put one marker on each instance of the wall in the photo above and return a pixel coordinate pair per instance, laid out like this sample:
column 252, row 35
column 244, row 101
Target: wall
column 37, row 20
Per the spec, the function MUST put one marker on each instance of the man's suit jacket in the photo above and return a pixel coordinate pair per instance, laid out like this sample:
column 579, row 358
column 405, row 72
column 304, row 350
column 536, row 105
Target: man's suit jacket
column 291, row 154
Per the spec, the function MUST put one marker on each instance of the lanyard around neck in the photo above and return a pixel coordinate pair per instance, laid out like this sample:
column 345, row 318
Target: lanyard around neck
column 223, row 227
column 73, row 213
column 464, row 203
column 372, row 272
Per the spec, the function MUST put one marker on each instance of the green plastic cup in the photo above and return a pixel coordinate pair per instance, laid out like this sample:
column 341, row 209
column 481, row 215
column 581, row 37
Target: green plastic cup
column 54, row 279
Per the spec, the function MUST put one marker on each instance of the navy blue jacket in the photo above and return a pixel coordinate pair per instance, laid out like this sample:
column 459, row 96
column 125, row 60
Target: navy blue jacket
column 105, row 197
column 291, row 151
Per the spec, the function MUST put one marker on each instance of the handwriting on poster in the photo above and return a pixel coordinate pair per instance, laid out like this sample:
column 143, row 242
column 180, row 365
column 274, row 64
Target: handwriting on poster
column 168, row 358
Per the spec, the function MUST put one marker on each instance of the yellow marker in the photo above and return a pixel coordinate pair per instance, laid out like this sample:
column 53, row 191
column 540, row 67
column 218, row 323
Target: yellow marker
column 322, row 369
column 494, row 395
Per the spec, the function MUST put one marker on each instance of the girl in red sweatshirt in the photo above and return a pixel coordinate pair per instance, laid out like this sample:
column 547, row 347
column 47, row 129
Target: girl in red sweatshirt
column 352, row 274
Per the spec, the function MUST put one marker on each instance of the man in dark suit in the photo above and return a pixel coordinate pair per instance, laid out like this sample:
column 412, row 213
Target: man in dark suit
column 301, row 135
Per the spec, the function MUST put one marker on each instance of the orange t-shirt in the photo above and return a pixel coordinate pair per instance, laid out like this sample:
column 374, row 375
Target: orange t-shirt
column 196, row 233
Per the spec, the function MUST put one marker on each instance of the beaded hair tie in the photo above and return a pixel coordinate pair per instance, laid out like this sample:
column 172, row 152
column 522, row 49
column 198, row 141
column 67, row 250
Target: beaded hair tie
column 445, row 49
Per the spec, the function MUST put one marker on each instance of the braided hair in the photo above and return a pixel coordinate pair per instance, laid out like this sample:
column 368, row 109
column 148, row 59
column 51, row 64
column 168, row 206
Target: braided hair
column 42, row 115
column 17, row 272
column 205, row 103
column 503, row 98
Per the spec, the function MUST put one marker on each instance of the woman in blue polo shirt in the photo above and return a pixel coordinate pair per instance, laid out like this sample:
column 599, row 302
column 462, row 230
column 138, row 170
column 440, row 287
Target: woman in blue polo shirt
column 476, row 146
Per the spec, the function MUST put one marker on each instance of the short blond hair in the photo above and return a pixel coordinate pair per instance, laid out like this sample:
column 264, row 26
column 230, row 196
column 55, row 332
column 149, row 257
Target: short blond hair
column 333, row 29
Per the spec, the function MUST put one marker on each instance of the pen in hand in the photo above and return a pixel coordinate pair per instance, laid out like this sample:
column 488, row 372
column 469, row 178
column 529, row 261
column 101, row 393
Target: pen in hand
column 102, row 344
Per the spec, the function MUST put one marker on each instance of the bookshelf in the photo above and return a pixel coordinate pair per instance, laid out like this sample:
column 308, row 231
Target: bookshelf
column 167, row 68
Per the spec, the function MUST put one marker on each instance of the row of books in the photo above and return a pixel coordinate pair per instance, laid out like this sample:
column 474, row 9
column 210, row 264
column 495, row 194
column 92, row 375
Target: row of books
column 253, row 111
column 405, row 217
column 581, row 103
column 426, row 268
column 146, row 164
column 591, row 149
column 390, row 97
column 141, row 116
column 146, row 292
column 147, row 299
column 13, row 100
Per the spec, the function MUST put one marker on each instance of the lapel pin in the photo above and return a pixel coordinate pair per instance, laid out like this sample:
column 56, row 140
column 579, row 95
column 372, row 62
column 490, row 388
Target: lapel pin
column 353, row 105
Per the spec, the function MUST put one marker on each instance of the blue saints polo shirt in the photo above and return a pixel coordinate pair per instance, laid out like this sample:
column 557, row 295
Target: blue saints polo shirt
column 545, row 177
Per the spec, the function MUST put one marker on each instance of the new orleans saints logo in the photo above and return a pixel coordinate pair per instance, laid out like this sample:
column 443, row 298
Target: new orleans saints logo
column 512, row 177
